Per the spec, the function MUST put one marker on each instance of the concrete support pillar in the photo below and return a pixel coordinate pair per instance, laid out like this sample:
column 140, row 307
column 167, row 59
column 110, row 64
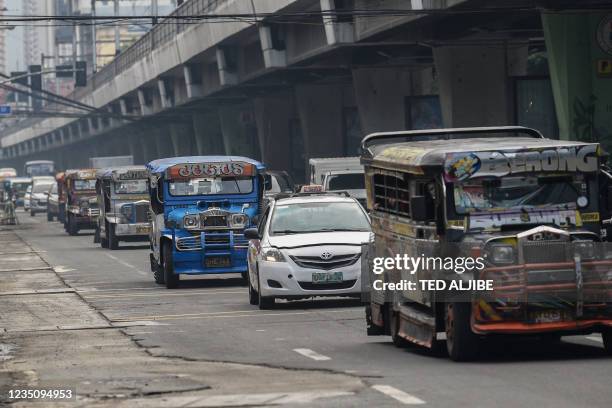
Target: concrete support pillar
column 474, row 85
column 144, row 100
column 320, row 108
column 181, row 135
column 273, row 116
column 166, row 92
column 193, row 80
column 274, row 53
column 227, row 67
column 207, row 133
column 239, row 130
column 336, row 32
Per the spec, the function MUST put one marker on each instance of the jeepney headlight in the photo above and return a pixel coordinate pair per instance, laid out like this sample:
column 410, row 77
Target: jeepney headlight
column 127, row 211
column 191, row 222
column 502, row 254
column 272, row 255
column 585, row 250
column 84, row 205
column 238, row 220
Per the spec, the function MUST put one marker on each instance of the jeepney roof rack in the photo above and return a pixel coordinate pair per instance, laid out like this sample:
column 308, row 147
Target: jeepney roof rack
column 442, row 134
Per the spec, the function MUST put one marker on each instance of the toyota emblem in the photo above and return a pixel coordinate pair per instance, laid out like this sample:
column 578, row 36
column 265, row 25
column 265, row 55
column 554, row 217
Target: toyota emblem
column 326, row 256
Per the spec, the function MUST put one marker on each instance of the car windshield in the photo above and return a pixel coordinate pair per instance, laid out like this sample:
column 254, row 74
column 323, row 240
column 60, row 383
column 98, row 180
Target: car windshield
column 278, row 183
column 40, row 188
column 131, row 187
column 514, row 193
column 80, row 185
column 318, row 217
column 350, row 181
column 209, row 186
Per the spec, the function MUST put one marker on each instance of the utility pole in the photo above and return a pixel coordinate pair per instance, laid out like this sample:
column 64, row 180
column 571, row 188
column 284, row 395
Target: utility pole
column 94, row 39
column 154, row 11
column 117, row 33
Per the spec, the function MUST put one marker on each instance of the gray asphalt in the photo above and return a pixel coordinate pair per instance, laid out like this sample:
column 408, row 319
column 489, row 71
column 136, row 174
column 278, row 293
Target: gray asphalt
column 211, row 319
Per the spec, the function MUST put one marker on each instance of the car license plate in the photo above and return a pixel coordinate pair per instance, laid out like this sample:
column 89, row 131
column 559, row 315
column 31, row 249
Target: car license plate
column 327, row 277
column 143, row 229
column 548, row 316
column 217, row 261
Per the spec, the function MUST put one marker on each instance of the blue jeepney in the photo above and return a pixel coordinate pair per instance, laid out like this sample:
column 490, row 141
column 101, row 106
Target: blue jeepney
column 201, row 206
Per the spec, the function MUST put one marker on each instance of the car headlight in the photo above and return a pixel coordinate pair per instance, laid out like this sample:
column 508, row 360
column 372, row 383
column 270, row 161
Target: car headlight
column 272, row 255
column 191, row 221
column 585, row 250
column 238, row 220
column 502, row 254
column 127, row 211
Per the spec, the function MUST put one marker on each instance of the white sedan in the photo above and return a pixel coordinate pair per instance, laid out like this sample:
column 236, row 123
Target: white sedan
column 305, row 246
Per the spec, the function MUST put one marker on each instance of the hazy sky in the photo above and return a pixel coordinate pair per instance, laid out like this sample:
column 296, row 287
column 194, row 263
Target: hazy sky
column 14, row 39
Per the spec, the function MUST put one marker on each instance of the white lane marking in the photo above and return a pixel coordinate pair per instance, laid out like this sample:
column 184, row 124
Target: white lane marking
column 595, row 338
column 128, row 265
column 398, row 395
column 166, row 293
column 62, row 269
column 311, row 354
column 260, row 330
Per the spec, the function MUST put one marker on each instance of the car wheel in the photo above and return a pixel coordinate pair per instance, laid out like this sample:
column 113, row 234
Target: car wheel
column 170, row 278
column 253, row 295
column 113, row 243
column 461, row 342
column 264, row 302
column 49, row 216
column 32, row 213
column 73, row 228
column 607, row 341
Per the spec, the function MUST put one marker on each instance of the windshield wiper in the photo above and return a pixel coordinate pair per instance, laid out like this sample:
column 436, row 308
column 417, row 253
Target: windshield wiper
column 340, row 229
column 287, row 232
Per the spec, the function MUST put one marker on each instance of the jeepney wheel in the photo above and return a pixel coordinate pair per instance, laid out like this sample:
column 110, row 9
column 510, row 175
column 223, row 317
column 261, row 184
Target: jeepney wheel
column 394, row 326
column 158, row 273
column 49, row 216
column 461, row 342
column 170, row 278
column 265, row 302
column 113, row 243
column 32, row 213
column 73, row 228
column 96, row 235
column 607, row 341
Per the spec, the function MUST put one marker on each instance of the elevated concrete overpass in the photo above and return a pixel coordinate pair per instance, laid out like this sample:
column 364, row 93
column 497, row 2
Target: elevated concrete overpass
column 288, row 89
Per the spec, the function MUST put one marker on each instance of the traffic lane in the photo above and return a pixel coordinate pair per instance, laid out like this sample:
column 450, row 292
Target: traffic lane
column 523, row 372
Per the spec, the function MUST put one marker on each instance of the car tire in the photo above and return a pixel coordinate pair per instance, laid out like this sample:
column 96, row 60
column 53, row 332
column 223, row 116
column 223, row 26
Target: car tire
column 253, row 295
column 264, row 302
column 73, row 228
column 607, row 341
column 394, row 325
column 170, row 278
column 113, row 243
column 49, row 216
column 461, row 342
column 158, row 273
column 32, row 213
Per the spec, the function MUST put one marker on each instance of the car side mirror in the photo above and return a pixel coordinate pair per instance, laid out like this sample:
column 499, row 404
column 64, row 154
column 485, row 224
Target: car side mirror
column 251, row 233
column 418, row 208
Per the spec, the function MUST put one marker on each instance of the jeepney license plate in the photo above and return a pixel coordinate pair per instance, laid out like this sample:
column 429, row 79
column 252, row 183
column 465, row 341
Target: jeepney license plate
column 143, row 229
column 548, row 316
column 324, row 277
column 217, row 261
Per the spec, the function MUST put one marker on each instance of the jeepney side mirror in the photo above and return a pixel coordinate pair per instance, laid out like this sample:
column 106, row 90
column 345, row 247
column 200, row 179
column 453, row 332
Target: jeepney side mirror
column 256, row 220
column 251, row 233
column 267, row 182
column 418, row 208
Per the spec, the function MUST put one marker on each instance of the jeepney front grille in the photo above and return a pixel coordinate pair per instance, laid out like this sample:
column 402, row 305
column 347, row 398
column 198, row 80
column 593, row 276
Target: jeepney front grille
column 212, row 240
column 142, row 213
column 93, row 212
column 545, row 251
column 315, row 262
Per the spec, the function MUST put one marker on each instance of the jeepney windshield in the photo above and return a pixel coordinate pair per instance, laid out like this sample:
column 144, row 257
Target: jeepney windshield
column 211, row 185
column 516, row 193
column 80, row 185
column 131, row 187
column 20, row 187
